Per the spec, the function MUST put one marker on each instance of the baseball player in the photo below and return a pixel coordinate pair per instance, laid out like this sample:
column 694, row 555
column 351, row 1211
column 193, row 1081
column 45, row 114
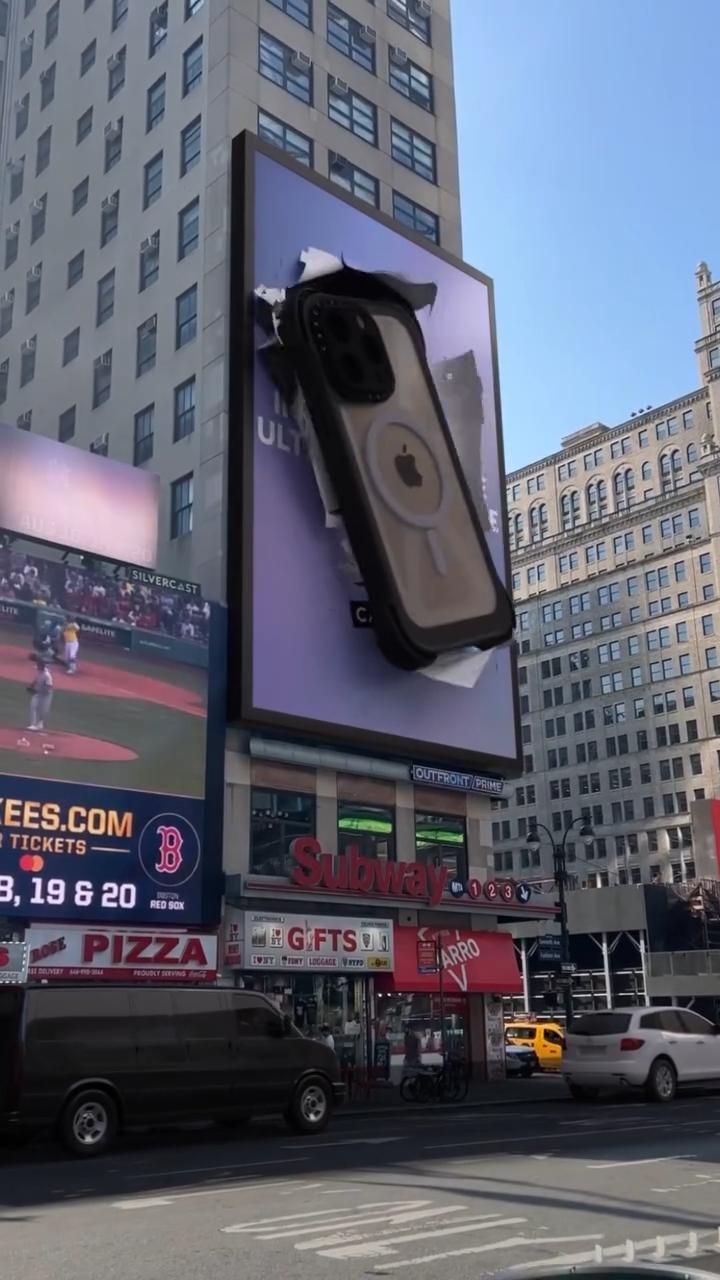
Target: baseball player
column 70, row 638
column 41, row 690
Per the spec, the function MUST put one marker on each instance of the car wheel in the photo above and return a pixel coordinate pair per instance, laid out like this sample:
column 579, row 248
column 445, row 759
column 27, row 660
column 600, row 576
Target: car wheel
column 582, row 1092
column 89, row 1123
column 661, row 1084
column 309, row 1111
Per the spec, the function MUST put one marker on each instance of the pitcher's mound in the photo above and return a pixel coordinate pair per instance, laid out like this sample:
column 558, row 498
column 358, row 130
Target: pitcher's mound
column 63, row 746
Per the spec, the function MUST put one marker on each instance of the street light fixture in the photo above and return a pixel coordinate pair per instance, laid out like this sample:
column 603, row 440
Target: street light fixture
column 587, row 835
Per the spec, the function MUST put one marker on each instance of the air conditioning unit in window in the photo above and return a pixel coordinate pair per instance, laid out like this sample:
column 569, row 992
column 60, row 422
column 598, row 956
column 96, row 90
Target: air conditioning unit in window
column 338, row 85
column 398, row 55
column 113, row 128
column 367, row 34
column 25, row 420
column 28, row 345
column 100, row 443
column 110, row 202
column 103, row 362
column 37, row 206
column 114, row 61
column 150, row 242
column 35, row 273
column 27, row 41
column 15, row 166
column 150, row 325
column 300, row 61
column 423, row 8
column 7, row 298
column 13, row 229
column 46, row 72
column 20, row 105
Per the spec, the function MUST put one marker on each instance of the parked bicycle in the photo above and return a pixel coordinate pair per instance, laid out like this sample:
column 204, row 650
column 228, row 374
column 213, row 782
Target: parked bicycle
column 447, row 1083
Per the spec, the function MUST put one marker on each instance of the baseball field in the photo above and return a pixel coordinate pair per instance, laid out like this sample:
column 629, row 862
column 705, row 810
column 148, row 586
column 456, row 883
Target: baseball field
column 122, row 720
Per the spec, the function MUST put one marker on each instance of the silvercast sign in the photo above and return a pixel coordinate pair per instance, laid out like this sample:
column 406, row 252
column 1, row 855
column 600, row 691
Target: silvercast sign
column 455, row 780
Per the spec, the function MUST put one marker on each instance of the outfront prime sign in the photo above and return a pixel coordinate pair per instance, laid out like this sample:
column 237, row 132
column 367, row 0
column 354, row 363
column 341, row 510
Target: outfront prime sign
column 456, row 781
column 320, row 943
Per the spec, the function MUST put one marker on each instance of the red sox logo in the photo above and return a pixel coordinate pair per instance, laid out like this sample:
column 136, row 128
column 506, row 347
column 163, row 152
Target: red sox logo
column 170, row 852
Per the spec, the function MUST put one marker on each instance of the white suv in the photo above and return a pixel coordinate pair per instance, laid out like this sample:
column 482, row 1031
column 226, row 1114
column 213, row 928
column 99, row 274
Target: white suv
column 655, row 1049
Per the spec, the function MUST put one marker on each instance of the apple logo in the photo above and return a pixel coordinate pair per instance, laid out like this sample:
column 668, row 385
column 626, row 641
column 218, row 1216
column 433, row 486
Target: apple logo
column 406, row 468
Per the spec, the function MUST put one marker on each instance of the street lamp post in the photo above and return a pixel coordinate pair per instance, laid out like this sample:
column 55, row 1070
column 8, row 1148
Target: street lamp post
column 587, row 835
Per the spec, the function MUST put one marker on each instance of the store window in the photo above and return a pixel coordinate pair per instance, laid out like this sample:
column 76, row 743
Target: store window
column 442, row 841
column 369, row 828
column 277, row 818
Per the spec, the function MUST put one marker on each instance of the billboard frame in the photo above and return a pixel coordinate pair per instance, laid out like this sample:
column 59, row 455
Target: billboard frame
column 246, row 147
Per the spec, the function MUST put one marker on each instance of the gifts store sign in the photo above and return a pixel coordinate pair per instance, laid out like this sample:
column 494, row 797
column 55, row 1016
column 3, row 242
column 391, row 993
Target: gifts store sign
column 265, row 940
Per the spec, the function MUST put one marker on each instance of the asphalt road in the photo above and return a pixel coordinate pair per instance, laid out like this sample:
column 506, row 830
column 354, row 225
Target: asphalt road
column 460, row 1194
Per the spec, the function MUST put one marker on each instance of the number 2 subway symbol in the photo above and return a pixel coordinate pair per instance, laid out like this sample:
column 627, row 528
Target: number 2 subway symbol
column 170, row 851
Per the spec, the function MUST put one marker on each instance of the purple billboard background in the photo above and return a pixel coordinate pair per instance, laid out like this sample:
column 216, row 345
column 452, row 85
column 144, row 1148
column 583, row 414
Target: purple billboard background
column 307, row 659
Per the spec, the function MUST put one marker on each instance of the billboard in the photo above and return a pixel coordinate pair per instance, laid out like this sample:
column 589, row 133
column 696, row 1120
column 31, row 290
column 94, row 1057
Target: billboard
column 307, row 661
column 325, row 944
column 104, row 767
column 71, row 498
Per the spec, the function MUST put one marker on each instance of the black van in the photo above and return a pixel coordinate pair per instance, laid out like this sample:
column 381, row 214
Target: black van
column 90, row 1060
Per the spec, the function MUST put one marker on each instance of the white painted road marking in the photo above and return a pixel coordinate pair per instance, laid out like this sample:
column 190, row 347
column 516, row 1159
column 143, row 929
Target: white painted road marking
column 398, row 1218
column 376, row 1249
column 214, row 1168
column 346, row 1233
column 155, row 1202
column 514, row 1242
column 623, row 1164
column 342, row 1142
column 394, row 1205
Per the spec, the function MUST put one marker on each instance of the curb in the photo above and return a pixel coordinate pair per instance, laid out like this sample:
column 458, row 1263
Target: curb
column 413, row 1108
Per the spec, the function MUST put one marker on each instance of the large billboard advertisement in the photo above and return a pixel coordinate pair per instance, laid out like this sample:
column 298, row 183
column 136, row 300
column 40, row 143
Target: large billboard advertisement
column 304, row 656
column 104, row 694
column 71, row 498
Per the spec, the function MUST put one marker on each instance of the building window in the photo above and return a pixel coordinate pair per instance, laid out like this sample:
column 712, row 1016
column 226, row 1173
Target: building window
column 119, row 12
column 184, row 409
column 350, row 37
column 102, row 379
column 47, row 87
column 113, row 144
column 299, row 10
column 284, row 66
column 105, row 298
column 116, row 72
column 181, row 506
column 4, row 10
column 441, row 841
column 188, row 229
column 412, row 16
column 12, row 242
column 42, row 157
column 155, row 104
column 4, row 375
column 186, row 317
column 414, row 216
column 143, row 436
column 87, row 57
column 22, row 115
column 80, row 195
column 71, row 346
column 38, row 218
column 109, row 218
column 192, row 7
column 149, row 261
column 66, row 425
column 370, row 828
column 281, row 135
column 33, row 288
column 76, row 267
column 190, row 145
column 152, row 180
column 412, row 150
column 714, row 357
column 6, row 312
column 361, row 184
column 192, row 67
column 146, row 346
column 277, row 818
column 17, row 179
column 158, row 28
column 410, row 80
column 27, row 45
column 84, row 126
column 27, row 366
column 350, row 111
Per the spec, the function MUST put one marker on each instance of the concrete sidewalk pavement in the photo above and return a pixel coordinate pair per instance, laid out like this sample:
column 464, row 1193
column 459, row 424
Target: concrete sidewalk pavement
column 386, row 1100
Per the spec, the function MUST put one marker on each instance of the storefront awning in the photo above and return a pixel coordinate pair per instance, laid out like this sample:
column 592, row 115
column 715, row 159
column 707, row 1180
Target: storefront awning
column 471, row 961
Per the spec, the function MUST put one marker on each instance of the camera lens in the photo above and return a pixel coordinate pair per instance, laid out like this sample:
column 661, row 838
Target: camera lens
column 338, row 326
column 373, row 349
column 352, row 369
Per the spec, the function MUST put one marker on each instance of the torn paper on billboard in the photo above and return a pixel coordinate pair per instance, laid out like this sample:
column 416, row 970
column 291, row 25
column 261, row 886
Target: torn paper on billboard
column 460, row 391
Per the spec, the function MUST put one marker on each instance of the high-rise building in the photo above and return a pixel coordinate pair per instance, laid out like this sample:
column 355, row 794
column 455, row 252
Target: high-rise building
column 616, row 575
column 117, row 119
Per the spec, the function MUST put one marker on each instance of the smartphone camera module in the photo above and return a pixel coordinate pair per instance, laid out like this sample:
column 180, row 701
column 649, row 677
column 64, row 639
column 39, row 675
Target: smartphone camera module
column 352, row 351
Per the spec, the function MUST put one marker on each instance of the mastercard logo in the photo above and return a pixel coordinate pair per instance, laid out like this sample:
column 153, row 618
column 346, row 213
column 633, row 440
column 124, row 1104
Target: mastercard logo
column 31, row 862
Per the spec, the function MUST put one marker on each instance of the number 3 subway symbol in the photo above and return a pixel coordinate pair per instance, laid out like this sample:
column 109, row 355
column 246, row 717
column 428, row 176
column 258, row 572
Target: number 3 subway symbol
column 169, row 850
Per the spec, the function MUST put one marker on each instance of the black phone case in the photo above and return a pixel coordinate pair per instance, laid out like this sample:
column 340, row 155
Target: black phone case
column 401, row 640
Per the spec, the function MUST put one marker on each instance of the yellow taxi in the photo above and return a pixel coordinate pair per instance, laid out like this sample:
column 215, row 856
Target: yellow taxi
column 546, row 1038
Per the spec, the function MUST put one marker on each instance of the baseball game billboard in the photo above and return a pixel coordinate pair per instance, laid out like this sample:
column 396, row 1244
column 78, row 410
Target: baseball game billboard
column 368, row 579
column 104, row 743
column 71, row 497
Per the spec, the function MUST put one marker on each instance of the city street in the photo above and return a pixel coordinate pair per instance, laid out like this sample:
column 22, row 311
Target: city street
column 464, row 1193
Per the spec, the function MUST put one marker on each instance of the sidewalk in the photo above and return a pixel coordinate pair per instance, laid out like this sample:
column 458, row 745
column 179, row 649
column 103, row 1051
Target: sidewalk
column 482, row 1093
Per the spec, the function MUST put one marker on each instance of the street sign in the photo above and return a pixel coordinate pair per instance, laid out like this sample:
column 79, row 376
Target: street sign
column 568, row 966
column 427, row 955
column 523, row 892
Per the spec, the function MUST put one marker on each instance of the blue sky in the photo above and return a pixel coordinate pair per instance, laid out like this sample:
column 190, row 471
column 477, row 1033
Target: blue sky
column 590, row 182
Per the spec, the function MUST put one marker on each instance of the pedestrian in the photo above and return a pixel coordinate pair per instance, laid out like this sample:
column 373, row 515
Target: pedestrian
column 72, row 644
column 327, row 1036
column 41, row 690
